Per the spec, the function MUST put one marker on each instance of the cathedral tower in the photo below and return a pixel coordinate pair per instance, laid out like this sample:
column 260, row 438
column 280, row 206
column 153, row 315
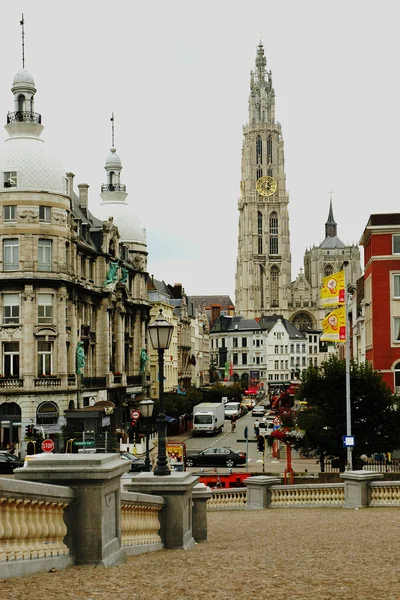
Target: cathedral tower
column 263, row 271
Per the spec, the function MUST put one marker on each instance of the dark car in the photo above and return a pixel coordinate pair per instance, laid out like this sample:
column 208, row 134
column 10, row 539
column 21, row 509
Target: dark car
column 9, row 462
column 137, row 463
column 216, row 457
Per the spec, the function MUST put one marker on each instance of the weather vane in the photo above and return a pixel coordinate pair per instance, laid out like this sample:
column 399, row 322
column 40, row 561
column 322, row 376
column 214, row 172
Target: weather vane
column 22, row 22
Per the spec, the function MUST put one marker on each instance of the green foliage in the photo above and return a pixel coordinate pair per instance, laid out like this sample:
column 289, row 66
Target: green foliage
column 374, row 418
column 218, row 391
column 177, row 405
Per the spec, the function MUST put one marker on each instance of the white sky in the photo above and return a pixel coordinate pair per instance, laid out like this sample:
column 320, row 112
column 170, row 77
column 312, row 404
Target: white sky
column 176, row 74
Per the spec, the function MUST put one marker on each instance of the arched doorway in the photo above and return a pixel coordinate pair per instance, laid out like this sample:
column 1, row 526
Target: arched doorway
column 10, row 423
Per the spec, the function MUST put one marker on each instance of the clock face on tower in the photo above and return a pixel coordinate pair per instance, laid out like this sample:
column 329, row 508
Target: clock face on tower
column 266, row 186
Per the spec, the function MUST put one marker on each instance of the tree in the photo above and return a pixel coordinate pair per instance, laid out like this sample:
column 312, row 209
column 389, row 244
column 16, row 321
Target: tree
column 375, row 422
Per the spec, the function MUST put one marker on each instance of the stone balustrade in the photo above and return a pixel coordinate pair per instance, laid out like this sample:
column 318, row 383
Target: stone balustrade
column 384, row 493
column 227, row 499
column 33, row 527
column 140, row 523
column 310, row 496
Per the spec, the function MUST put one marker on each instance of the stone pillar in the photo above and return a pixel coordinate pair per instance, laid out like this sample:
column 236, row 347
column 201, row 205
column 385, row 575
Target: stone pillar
column 59, row 311
column 258, row 492
column 119, row 337
column 356, row 487
column 97, row 517
column 103, row 340
column 201, row 493
column 176, row 519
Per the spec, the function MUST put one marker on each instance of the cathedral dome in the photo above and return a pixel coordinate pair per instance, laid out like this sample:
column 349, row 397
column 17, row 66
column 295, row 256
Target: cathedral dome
column 113, row 160
column 35, row 167
column 129, row 226
column 23, row 76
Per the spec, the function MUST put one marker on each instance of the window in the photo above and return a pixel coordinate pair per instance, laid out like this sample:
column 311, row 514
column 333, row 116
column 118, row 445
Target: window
column 235, row 359
column 328, row 270
column 222, row 342
column 276, row 364
column 10, row 308
column 11, row 359
column 10, row 213
column 269, row 149
column 260, row 232
column 45, row 213
column 45, row 308
column 235, row 342
column 396, row 286
column 273, row 233
column 11, row 255
column 10, row 179
column 276, row 349
column 244, row 342
column 396, row 244
column 244, row 358
column 44, row 255
column 45, row 358
column 274, row 288
column 259, row 150
column 396, row 329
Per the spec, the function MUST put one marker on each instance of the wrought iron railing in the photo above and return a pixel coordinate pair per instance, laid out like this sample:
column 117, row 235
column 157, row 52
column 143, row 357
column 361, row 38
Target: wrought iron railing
column 134, row 379
column 24, row 116
column 113, row 187
column 95, row 382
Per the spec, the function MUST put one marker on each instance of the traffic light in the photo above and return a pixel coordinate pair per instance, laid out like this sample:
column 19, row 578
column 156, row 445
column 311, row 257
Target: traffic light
column 133, row 423
column 27, row 430
column 260, row 443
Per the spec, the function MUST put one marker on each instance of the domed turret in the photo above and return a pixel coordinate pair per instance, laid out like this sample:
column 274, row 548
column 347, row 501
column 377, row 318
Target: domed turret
column 25, row 162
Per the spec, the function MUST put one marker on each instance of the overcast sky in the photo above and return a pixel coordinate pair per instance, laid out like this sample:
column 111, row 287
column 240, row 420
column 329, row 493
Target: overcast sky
column 176, row 75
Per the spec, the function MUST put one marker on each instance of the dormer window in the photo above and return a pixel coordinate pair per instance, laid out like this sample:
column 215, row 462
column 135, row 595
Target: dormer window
column 10, row 179
column 45, row 213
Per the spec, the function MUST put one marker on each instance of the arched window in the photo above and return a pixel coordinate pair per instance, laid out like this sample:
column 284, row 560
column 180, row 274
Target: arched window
column 274, row 286
column 111, row 181
column 21, row 103
column 273, row 233
column 328, row 270
column 261, row 286
column 259, row 150
column 259, row 233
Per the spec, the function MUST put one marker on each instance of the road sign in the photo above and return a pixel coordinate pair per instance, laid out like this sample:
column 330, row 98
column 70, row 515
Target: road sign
column 88, row 443
column 135, row 414
column 47, row 445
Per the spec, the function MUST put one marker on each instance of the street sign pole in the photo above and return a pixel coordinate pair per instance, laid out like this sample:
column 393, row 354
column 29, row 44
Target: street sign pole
column 246, row 435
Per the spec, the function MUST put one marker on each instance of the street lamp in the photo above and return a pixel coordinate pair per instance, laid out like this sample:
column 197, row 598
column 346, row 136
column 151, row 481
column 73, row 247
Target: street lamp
column 146, row 410
column 160, row 332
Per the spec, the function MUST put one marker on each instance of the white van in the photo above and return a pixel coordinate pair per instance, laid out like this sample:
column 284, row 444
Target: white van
column 232, row 409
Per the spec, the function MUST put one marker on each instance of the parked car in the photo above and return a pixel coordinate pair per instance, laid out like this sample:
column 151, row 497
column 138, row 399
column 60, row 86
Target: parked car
column 137, row 463
column 258, row 411
column 216, row 457
column 9, row 462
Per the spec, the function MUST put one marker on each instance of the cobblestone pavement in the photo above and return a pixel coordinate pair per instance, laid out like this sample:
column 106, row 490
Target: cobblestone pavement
column 281, row 554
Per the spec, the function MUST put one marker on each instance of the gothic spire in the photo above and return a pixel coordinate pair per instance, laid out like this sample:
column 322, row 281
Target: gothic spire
column 330, row 225
column 262, row 95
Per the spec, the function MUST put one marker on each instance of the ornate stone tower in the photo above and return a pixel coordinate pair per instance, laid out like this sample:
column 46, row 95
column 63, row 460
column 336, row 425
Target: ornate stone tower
column 263, row 271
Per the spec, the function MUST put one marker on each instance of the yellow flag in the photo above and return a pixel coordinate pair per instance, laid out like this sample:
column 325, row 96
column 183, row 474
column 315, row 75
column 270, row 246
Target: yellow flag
column 332, row 290
column 334, row 326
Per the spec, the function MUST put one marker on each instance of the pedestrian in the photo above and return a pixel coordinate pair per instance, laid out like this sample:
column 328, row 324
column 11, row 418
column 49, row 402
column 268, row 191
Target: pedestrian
column 11, row 448
column 256, row 427
column 233, row 423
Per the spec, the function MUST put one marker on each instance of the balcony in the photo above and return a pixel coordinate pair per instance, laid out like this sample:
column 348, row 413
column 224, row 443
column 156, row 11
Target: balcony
column 25, row 116
column 47, row 382
column 113, row 187
column 9, row 383
column 94, row 382
column 134, row 380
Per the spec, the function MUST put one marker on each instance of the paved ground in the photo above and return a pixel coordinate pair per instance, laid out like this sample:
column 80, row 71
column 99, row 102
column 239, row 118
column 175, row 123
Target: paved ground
column 282, row 554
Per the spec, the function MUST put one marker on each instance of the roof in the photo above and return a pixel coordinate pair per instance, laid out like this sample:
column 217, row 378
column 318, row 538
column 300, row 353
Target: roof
column 269, row 322
column 332, row 242
column 206, row 301
column 235, row 323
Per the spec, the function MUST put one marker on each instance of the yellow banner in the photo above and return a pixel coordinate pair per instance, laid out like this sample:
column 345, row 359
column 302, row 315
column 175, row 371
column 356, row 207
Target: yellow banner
column 332, row 290
column 334, row 326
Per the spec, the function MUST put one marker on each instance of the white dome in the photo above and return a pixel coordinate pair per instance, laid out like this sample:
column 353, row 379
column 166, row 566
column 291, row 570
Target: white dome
column 129, row 227
column 113, row 160
column 23, row 76
column 37, row 170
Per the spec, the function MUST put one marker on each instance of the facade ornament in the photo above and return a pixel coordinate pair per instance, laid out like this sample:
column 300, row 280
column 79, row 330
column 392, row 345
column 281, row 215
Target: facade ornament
column 80, row 358
column 112, row 276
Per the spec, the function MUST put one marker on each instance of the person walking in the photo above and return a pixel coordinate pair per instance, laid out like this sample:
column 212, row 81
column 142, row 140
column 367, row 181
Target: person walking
column 233, row 423
column 256, row 427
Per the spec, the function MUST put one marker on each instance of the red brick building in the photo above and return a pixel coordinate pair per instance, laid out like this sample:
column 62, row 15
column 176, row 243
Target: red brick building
column 381, row 241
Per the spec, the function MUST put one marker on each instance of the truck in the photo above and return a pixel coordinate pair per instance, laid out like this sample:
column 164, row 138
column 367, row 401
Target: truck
column 208, row 418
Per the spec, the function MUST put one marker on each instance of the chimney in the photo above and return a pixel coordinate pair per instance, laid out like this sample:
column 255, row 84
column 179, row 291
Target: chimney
column 215, row 312
column 70, row 178
column 83, row 197
column 177, row 290
column 231, row 310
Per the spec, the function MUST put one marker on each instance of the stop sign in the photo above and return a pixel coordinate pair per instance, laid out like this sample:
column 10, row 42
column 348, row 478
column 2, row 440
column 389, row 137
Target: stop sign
column 47, row 445
column 135, row 414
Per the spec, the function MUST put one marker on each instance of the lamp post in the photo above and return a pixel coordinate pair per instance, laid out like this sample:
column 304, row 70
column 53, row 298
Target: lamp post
column 160, row 332
column 146, row 409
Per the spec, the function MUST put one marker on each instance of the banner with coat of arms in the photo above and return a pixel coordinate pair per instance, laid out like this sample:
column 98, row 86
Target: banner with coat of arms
column 334, row 326
column 332, row 290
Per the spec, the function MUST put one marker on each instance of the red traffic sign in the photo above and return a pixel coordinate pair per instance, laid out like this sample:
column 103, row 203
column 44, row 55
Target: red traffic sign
column 135, row 414
column 47, row 445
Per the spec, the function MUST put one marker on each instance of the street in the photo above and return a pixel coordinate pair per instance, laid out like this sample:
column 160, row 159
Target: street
column 236, row 441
